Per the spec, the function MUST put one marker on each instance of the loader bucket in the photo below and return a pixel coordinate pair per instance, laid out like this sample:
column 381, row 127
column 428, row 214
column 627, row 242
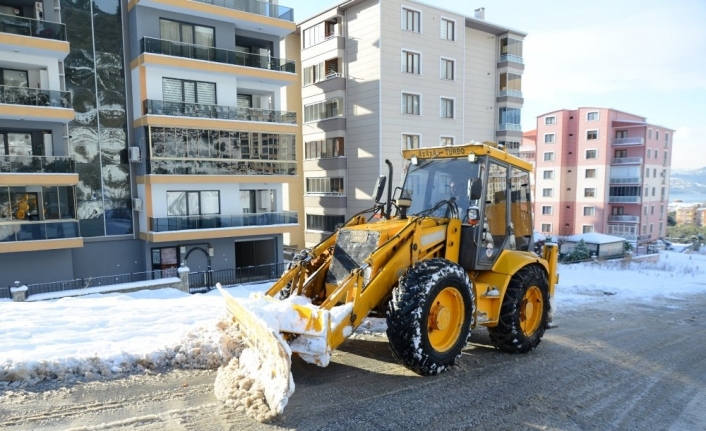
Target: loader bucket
column 270, row 346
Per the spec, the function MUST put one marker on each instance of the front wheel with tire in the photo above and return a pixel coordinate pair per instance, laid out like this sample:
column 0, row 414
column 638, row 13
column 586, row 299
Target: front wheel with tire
column 524, row 312
column 430, row 316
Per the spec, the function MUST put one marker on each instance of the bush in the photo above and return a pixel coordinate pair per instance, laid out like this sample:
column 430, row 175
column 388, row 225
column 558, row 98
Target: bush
column 580, row 252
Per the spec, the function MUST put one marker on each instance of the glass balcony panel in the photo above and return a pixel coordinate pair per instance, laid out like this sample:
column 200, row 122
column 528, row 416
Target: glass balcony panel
column 31, row 27
column 34, row 97
column 170, row 224
column 37, row 164
column 255, row 6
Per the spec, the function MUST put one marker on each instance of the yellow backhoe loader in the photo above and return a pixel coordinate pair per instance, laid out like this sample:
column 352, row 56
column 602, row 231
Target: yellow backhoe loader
column 451, row 249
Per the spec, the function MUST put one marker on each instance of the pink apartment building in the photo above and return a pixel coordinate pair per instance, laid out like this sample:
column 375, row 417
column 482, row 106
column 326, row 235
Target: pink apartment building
column 601, row 170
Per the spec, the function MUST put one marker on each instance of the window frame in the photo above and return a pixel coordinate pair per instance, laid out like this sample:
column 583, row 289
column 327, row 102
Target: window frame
column 587, row 170
column 200, row 205
column 404, row 94
column 552, row 157
column 452, row 138
column 547, row 209
column 588, row 115
column 445, row 20
column 550, row 123
column 548, row 192
column 584, row 230
column 548, row 177
column 589, row 134
column 404, row 67
column 443, row 104
column 591, row 158
column 588, row 194
column 443, row 61
column 551, row 136
column 591, row 212
column 404, row 25
column 196, row 92
column 404, row 141
column 549, row 228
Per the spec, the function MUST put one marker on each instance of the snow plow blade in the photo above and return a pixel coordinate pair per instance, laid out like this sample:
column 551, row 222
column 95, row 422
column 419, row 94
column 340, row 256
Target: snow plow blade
column 270, row 346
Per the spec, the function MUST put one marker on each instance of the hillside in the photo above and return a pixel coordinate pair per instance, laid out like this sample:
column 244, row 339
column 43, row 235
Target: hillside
column 688, row 182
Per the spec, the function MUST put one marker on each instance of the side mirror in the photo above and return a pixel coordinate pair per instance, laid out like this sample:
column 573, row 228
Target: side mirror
column 379, row 188
column 475, row 189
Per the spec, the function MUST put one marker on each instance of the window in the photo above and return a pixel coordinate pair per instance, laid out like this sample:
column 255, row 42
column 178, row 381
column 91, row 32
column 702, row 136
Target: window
column 618, row 211
column 589, row 192
column 647, row 193
column 547, row 210
column 324, row 223
column 666, row 139
column 547, row 193
column 549, row 120
column 180, row 90
column 447, row 108
column 651, row 226
column 549, row 156
column 320, row 72
column 323, row 149
column 546, row 227
column 325, row 186
column 589, row 211
column 656, row 154
column 592, row 116
column 319, row 33
column 649, row 133
column 411, row 20
column 656, row 134
column 652, row 209
column 323, row 110
column 591, row 134
column 647, row 172
column 510, row 84
column 654, row 172
column 447, row 69
column 14, row 78
column 198, row 39
column 511, row 50
column 590, row 173
column 587, row 228
column 448, row 29
column 653, row 191
column 549, row 138
column 649, row 153
column 621, row 153
column 410, row 103
column 621, row 134
column 189, row 203
column 591, row 154
column 509, row 119
column 548, row 175
column 645, row 209
column 446, row 141
column 410, row 142
column 411, row 62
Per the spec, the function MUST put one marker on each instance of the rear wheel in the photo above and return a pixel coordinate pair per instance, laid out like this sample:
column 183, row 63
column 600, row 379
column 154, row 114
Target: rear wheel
column 524, row 312
column 430, row 316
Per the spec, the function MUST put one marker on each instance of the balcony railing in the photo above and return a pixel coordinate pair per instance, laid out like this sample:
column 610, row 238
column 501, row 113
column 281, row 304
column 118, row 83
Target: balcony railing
column 38, row 230
column 509, row 127
column 626, row 180
column 37, row 164
column 627, row 236
column 217, row 55
column 512, row 58
column 627, row 141
column 34, row 97
column 627, row 161
column 184, row 109
column 223, row 167
column 32, row 27
column 256, row 7
column 171, row 224
column 510, row 93
column 623, row 218
column 624, row 199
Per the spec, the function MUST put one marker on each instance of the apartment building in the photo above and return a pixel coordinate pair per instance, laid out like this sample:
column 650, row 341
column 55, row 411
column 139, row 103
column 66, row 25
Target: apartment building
column 688, row 213
column 382, row 76
column 143, row 130
column 602, row 170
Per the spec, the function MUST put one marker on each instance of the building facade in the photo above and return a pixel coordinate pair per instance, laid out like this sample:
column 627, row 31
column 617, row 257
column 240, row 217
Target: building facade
column 382, row 76
column 602, row 170
column 143, row 129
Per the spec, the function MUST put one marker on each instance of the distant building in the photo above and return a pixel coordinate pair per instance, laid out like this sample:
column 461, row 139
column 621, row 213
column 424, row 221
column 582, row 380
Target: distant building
column 689, row 214
column 602, row 170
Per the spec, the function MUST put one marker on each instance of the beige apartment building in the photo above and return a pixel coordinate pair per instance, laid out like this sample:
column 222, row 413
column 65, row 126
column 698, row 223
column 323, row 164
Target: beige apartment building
column 379, row 77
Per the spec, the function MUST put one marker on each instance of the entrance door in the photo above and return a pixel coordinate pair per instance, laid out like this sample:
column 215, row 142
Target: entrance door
column 165, row 259
column 254, row 253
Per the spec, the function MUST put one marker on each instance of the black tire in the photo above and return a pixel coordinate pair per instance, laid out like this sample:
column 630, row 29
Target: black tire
column 524, row 312
column 430, row 315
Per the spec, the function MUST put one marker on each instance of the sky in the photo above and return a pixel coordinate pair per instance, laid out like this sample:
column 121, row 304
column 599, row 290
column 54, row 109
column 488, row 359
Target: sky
column 108, row 335
column 644, row 57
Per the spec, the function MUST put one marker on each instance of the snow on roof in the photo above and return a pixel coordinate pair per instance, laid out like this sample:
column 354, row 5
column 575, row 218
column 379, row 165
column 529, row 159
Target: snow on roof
column 595, row 238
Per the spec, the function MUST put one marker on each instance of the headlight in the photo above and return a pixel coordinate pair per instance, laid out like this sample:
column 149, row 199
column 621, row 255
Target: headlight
column 473, row 214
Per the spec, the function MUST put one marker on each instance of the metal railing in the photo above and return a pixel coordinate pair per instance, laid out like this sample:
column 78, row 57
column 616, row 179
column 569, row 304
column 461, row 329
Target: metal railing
column 31, row 27
column 509, row 126
column 37, row 164
column 198, row 281
column 627, row 141
column 217, row 55
column 223, row 167
column 34, row 97
column 624, row 199
column 177, row 223
column 630, row 180
column 255, row 6
column 624, row 218
column 108, row 280
column 38, row 230
column 185, row 109
column 627, row 160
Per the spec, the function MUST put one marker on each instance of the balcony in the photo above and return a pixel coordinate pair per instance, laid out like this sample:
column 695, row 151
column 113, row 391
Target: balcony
column 197, row 110
column 513, row 58
column 31, row 27
column 624, row 199
column 34, row 97
column 505, row 127
column 199, row 52
column 255, row 6
column 626, row 180
column 37, row 164
column 623, row 219
column 627, row 161
column 221, row 167
column 625, row 142
column 38, row 231
column 172, row 224
column 510, row 93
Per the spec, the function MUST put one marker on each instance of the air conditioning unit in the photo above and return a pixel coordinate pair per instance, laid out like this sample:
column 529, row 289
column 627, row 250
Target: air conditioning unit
column 137, row 204
column 135, row 155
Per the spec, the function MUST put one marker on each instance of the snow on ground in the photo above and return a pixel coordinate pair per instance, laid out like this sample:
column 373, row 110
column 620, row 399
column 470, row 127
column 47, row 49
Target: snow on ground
column 107, row 335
